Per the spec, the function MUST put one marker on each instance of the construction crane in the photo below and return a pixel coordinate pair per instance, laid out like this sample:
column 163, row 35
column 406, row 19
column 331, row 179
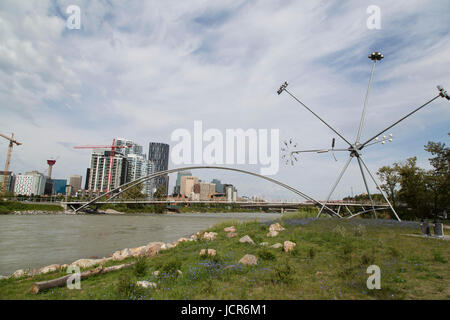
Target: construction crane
column 8, row 156
column 113, row 148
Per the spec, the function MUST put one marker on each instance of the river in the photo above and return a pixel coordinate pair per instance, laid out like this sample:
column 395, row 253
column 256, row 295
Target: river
column 34, row 241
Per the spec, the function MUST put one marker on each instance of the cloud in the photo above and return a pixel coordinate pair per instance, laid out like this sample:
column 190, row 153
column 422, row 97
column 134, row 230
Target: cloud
column 143, row 69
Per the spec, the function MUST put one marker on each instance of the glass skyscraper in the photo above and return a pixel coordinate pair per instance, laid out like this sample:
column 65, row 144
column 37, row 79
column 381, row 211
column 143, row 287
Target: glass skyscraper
column 158, row 153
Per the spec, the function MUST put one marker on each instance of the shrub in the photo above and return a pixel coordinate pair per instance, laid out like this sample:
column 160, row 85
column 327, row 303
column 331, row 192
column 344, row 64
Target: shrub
column 141, row 267
column 311, row 253
column 265, row 254
column 283, row 271
column 171, row 266
column 125, row 286
column 367, row 259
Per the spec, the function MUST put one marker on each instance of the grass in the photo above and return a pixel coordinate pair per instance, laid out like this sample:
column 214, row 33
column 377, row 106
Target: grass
column 329, row 262
column 7, row 207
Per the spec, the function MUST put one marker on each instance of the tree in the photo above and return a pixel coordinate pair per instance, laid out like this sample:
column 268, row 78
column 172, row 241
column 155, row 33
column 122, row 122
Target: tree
column 160, row 193
column 391, row 179
column 134, row 193
column 438, row 180
column 413, row 190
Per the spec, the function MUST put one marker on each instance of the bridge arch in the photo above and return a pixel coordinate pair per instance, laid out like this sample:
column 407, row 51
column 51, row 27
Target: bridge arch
column 136, row 182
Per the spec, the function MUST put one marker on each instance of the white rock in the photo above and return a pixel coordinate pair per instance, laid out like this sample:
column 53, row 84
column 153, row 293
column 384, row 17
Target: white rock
column 276, row 246
column 209, row 252
column 276, row 227
column 230, row 229
column 210, row 235
column 179, row 272
column 51, row 268
column 18, row 273
column 272, row 233
column 146, row 284
column 182, row 240
column 153, row 248
column 249, row 259
column 156, row 273
column 264, row 244
column 289, row 246
column 246, row 239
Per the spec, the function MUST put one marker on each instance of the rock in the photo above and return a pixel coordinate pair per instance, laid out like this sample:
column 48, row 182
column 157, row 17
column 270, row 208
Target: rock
column 50, row 268
column 87, row 263
column 210, row 236
column 156, row 273
column 231, row 234
column 276, row 227
column 182, row 240
column 169, row 246
column 121, row 254
column 272, row 233
column 208, row 252
column 179, row 272
column 137, row 252
column 230, row 229
column 264, row 244
column 4, row 277
column 153, row 248
column 64, row 266
column 289, row 246
column 249, row 259
column 18, row 273
column 146, row 284
column 246, row 239
column 111, row 211
column 194, row 237
column 276, row 246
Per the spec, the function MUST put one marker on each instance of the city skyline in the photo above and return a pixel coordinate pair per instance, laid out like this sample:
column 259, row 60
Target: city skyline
column 173, row 65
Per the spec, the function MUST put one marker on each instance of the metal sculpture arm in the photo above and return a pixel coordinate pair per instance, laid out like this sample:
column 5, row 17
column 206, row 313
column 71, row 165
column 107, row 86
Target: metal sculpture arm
column 283, row 88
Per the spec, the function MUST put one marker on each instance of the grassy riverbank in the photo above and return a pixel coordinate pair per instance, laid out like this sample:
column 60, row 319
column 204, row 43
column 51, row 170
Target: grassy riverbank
column 7, row 207
column 329, row 262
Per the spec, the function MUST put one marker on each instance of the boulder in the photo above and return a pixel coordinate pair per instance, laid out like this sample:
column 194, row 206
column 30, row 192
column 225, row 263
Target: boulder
column 169, row 246
column 121, row 254
column 246, row 239
column 194, row 237
column 272, row 233
column 50, row 268
column 276, row 227
column 137, row 252
column 87, row 263
column 18, row 273
column 153, row 248
column 231, row 234
column 289, row 246
column 210, row 236
column 156, row 273
column 264, row 244
column 249, row 259
column 276, row 245
column 230, row 229
column 4, row 277
column 64, row 266
column 208, row 252
column 182, row 240
column 146, row 284
column 179, row 272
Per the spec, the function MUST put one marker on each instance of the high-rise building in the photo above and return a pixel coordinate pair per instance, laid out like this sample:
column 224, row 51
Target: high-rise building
column 219, row 186
column 10, row 180
column 59, row 186
column 99, row 171
column 158, row 153
column 177, row 188
column 30, row 183
column 187, row 185
column 207, row 190
column 75, row 182
column 86, row 180
column 138, row 167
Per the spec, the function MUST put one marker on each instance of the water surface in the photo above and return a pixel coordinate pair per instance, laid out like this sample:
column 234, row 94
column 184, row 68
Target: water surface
column 34, row 241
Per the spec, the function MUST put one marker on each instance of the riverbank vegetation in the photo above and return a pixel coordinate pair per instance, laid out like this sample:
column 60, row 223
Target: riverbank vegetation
column 7, row 207
column 329, row 261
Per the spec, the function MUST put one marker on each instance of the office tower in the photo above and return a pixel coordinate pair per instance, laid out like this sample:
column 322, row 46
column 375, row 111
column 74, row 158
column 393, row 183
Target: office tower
column 10, row 180
column 219, row 186
column 30, row 183
column 86, row 180
column 59, row 186
column 75, row 182
column 207, row 190
column 177, row 187
column 187, row 185
column 138, row 167
column 158, row 153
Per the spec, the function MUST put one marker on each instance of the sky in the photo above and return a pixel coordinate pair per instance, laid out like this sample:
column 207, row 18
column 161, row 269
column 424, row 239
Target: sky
column 142, row 69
